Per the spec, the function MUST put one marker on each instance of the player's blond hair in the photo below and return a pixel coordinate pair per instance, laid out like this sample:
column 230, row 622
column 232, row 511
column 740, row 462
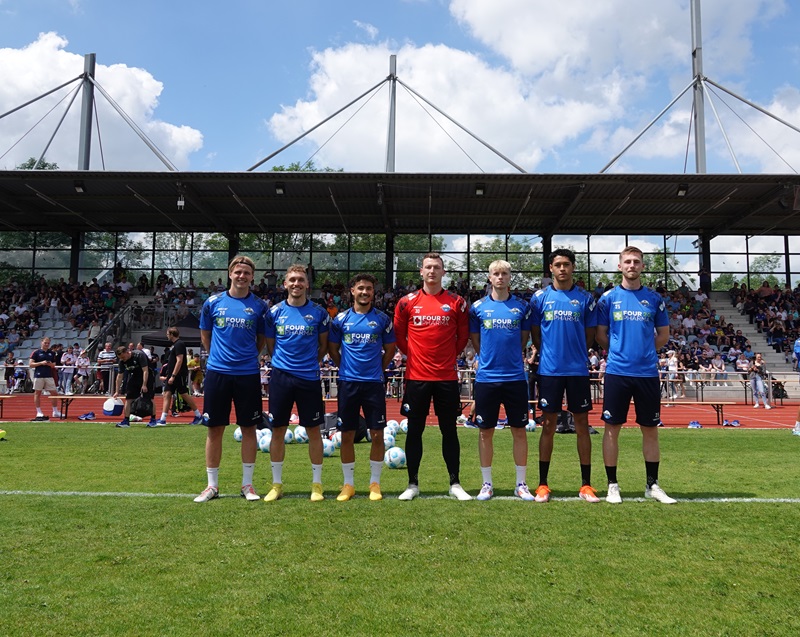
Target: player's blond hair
column 499, row 264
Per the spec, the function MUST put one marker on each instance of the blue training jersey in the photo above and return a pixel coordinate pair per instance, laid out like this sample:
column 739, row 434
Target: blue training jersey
column 499, row 324
column 563, row 317
column 632, row 317
column 235, row 325
column 296, row 332
column 362, row 338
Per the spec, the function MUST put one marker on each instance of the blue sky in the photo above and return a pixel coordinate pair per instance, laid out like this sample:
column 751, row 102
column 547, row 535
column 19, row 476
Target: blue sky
column 556, row 86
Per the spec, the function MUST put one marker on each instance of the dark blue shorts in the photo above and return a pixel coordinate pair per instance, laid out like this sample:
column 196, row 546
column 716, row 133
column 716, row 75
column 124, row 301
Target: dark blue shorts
column 286, row 390
column 551, row 393
column 357, row 396
column 645, row 392
column 222, row 389
column 514, row 397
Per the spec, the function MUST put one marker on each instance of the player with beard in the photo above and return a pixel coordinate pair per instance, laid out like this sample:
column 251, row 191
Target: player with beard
column 432, row 328
column 632, row 325
column 297, row 340
column 563, row 330
column 361, row 343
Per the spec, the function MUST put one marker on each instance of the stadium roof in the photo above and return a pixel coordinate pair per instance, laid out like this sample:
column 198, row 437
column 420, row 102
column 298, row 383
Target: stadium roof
column 440, row 203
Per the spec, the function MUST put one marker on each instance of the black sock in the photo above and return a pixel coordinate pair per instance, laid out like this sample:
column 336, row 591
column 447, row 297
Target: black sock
column 544, row 469
column 586, row 474
column 611, row 474
column 651, row 468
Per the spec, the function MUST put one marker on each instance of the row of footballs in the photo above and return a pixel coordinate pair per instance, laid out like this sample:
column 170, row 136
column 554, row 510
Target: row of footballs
column 394, row 458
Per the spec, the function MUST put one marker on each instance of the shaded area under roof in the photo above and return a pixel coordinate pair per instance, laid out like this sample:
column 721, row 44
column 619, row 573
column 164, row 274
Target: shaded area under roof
column 439, row 203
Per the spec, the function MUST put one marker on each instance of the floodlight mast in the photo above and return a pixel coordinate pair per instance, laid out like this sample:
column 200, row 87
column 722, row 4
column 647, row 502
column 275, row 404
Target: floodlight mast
column 87, row 105
column 390, row 147
column 698, row 90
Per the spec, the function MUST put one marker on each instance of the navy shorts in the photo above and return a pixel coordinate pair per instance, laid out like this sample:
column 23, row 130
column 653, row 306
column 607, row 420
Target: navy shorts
column 445, row 394
column 514, row 397
column 645, row 392
column 357, row 396
column 551, row 393
column 287, row 390
column 222, row 389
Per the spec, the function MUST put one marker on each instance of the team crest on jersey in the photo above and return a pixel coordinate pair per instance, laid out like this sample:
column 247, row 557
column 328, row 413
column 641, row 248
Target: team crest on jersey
column 618, row 316
column 372, row 324
column 515, row 310
column 487, row 324
column 543, row 403
column 644, row 302
column 446, row 308
column 308, row 318
column 219, row 321
column 606, row 415
column 249, row 310
column 348, row 338
column 548, row 315
column 575, row 302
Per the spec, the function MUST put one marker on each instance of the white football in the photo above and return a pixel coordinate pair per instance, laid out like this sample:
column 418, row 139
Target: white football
column 394, row 458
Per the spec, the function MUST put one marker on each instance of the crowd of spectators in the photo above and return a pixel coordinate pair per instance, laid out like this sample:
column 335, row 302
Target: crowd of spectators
column 704, row 346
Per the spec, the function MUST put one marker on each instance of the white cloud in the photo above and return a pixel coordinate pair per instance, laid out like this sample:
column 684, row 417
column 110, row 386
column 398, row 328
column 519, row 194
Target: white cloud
column 369, row 29
column 47, row 64
column 578, row 86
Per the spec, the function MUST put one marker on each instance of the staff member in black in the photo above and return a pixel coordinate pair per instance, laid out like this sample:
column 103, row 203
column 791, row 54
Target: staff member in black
column 134, row 364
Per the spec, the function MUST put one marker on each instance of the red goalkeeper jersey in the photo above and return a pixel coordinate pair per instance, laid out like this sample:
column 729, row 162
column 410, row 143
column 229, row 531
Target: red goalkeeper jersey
column 432, row 330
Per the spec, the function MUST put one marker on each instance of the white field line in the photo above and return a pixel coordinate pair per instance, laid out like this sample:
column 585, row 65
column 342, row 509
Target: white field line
column 122, row 494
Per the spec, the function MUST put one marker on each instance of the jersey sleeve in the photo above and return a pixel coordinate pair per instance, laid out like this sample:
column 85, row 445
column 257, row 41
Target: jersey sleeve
column 462, row 332
column 590, row 312
column 601, row 311
column 536, row 314
column 387, row 334
column 335, row 331
column 474, row 319
column 661, row 318
column 527, row 317
column 401, row 324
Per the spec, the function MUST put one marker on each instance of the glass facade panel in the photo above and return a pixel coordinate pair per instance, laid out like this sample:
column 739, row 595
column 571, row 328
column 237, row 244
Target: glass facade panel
column 17, row 258
column 46, row 259
column 728, row 244
column 607, row 243
column 488, row 243
column 574, row 242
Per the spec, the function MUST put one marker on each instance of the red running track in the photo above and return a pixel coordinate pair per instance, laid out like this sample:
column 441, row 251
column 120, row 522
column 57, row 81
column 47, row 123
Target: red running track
column 19, row 407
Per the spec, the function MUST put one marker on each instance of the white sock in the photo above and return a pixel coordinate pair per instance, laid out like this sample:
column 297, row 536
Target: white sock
column 213, row 477
column 39, row 412
column 316, row 473
column 348, row 469
column 522, row 473
column 375, row 468
column 163, row 415
column 197, row 413
column 797, row 424
column 277, row 472
column 247, row 472
column 486, row 474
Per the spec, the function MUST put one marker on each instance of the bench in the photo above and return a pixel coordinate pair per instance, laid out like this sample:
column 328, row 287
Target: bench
column 3, row 398
column 66, row 401
column 718, row 405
